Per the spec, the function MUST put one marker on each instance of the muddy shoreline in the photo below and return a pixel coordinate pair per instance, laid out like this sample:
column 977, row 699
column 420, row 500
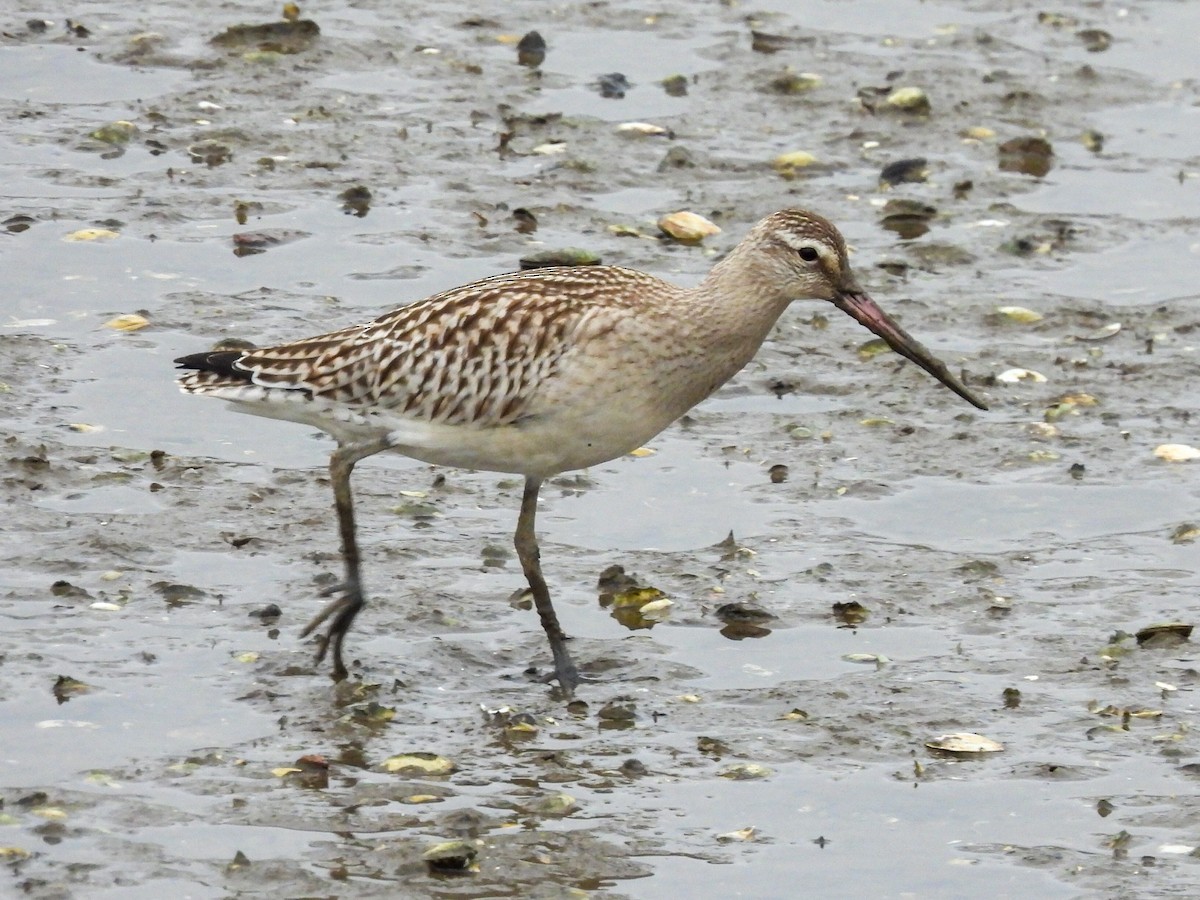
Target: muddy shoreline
column 159, row 738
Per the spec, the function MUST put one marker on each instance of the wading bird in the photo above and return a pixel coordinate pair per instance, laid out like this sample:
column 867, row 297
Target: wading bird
column 537, row 373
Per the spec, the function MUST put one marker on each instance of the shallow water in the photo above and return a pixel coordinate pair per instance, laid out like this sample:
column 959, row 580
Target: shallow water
column 985, row 563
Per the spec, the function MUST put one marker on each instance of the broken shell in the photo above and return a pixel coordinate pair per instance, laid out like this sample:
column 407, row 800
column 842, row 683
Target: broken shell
column 742, row 613
column 415, row 799
column 1078, row 398
column 749, row 833
column 645, row 128
column 687, row 227
column 915, row 170
column 50, row 813
column 675, row 85
column 851, row 613
column 451, row 856
column 1101, row 334
column 1185, row 534
column 878, row 658
column 524, row 222
column 763, row 42
column 907, row 218
column 1020, row 314
column 127, row 322
column 66, row 687
column 1145, row 713
column 617, row 712
column 795, row 82
column 1042, row 430
column 636, row 598
column 531, row 50
column 1176, row 452
column 656, row 607
column 909, row 99
column 1026, row 155
column 1092, row 140
column 873, row 347
column 369, row 713
column 288, row 36
column 425, row 763
column 567, row 256
column 964, row 743
column 978, row 133
column 745, row 772
column 1094, row 40
column 612, row 85
column 1056, row 411
column 1056, row 20
column 521, row 728
column 557, row 805
column 119, row 132
column 210, row 152
column 786, row 164
column 91, row 234
column 1163, row 634
column 1012, row 376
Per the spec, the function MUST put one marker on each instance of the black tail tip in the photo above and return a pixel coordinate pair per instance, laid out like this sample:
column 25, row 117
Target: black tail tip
column 221, row 362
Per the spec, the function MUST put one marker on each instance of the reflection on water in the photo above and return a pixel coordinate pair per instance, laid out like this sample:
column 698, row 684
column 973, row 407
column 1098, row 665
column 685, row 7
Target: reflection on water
column 993, row 518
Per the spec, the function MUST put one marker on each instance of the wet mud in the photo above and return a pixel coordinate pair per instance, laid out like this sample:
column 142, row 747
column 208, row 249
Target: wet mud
column 164, row 733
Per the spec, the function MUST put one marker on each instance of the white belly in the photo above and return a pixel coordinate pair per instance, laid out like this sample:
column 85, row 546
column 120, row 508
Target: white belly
column 539, row 445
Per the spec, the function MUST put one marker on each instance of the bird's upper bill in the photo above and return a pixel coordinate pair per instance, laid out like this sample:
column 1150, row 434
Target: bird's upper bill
column 866, row 311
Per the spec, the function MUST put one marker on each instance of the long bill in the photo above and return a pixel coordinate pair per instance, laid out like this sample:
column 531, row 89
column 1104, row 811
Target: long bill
column 866, row 311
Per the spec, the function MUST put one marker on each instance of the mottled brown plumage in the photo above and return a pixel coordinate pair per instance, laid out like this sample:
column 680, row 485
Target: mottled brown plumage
column 539, row 372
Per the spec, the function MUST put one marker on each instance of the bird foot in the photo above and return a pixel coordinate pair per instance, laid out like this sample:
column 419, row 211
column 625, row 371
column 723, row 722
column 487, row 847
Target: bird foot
column 342, row 612
column 568, row 678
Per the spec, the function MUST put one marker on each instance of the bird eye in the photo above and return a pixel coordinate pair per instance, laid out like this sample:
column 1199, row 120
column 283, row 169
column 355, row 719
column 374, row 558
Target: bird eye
column 809, row 254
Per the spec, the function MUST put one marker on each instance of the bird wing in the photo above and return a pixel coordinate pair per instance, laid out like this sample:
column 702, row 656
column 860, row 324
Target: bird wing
column 475, row 354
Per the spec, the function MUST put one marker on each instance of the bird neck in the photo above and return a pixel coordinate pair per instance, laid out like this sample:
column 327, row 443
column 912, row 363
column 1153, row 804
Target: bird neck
column 739, row 303
column 716, row 329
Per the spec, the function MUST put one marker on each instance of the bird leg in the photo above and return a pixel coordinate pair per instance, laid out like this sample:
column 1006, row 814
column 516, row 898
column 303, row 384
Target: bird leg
column 350, row 596
column 528, row 553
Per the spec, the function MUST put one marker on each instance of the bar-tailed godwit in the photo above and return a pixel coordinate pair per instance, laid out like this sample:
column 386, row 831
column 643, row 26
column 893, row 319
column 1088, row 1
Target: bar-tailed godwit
column 537, row 373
